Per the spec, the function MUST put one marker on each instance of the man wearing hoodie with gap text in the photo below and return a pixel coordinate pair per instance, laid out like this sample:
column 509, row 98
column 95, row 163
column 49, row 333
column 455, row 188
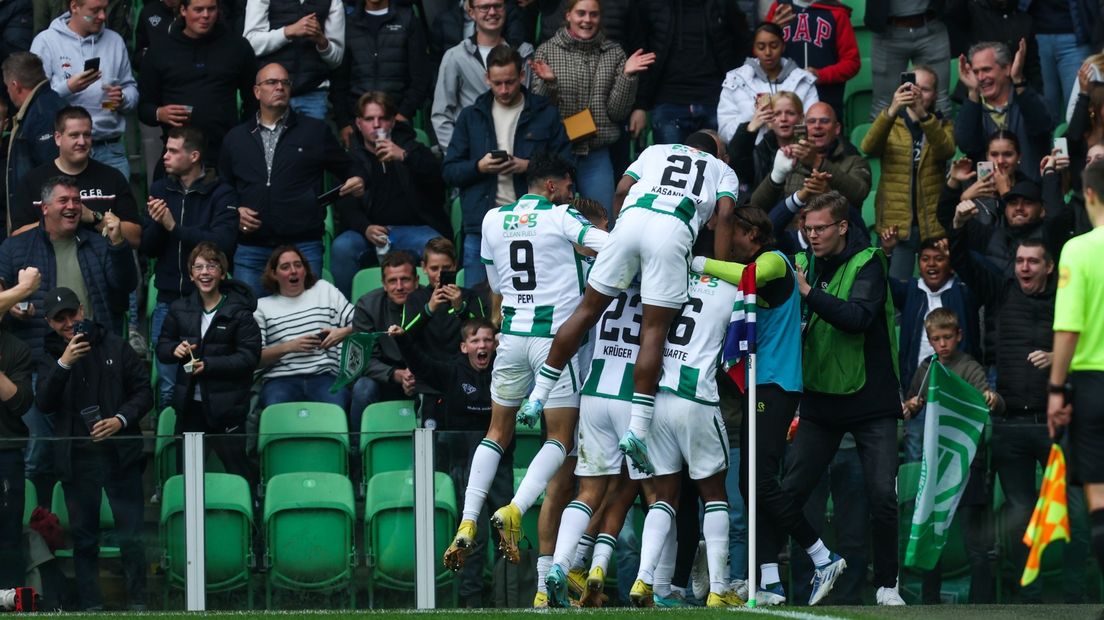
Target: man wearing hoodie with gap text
column 87, row 64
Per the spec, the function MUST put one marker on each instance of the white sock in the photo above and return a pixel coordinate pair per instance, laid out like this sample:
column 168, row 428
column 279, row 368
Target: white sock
column 544, row 563
column 583, row 552
column 547, row 377
column 483, row 468
column 678, row 590
column 657, row 525
column 770, row 574
column 819, row 554
column 603, row 551
column 665, row 568
column 641, row 420
column 545, row 465
column 715, row 531
column 576, row 516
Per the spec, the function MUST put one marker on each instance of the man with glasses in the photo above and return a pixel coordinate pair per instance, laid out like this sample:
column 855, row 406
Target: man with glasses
column 276, row 163
column 839, row 163
column 849, row 376
column 187, row 206
column 462, row 77
column 307, row 37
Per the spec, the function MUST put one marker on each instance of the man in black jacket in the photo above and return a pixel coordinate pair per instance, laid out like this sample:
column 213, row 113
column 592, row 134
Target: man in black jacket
column 850, row 385
column 386, row 52
column 96, row 386
column 212, row 341
column 276, row 162
column 16, row 396
column 696, row 42
column 1023, row 313
column 194, row 75
column 405, row 208
column 188, row 206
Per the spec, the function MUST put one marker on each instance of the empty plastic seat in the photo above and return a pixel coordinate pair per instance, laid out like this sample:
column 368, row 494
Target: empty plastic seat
column 165, row 447
column 858, row 97
column 228, row 518
column 309, row 519
column 303, row 437
column 389, row 528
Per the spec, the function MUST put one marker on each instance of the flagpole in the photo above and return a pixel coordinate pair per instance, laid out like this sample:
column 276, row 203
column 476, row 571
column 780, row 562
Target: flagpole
column 753, row 525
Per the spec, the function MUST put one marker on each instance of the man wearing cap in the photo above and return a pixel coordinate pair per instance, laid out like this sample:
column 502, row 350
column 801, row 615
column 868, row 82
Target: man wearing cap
column 96, row 386
column 1025, row 217
column 99, row 268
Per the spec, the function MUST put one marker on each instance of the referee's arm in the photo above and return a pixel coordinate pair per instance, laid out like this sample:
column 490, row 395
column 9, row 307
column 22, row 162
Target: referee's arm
column 1059, row 409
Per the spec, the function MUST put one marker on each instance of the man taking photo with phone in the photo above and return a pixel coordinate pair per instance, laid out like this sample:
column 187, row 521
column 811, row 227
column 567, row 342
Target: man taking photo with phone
column 96, row 387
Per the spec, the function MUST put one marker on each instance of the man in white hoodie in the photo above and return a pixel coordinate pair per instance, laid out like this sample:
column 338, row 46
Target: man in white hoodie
column 87, row 64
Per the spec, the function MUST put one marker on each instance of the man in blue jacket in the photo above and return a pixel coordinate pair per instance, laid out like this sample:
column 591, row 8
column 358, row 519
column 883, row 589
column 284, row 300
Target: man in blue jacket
column 275, row 162
column 186, row 207
column 491, row 146
column 32, row 136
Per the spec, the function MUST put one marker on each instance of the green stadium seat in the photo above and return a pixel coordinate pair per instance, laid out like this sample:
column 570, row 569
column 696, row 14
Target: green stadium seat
column 527, row 442
column 1060, row 130
column 864, row 39
column 30, row 500
column 422, row 137
column 309, row 520
column 460, row 278
column 869, row 205
column 456, row 219
column 858, row 12
column 857, row 135
column 228, row 542
column 327, row 276
column 303, row 437
column 107, row 522
column 365, row 281
column 389, row 529
column 858, row 97
column 386, row 443
column 165, row 447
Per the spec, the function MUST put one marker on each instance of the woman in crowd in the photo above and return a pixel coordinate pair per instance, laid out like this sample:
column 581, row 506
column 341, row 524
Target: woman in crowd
column 592, row 83
column 212, row 341
column 752, row 157
column 748, row 91
column 301, row 322
column 1086, row 124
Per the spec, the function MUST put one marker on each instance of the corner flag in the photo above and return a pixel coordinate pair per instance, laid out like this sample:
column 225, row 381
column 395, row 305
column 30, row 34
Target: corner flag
column 1050, row 521
column 740, row 339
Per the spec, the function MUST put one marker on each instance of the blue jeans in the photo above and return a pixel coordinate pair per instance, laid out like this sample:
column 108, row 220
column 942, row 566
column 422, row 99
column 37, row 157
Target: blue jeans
column 312, row 104
column 113, row 155
column 594, row 178
column 902, row 262
column 1060, row 56
column 250, row 260
column 39, row 454
column 672, row 123
column 166, row 373
column 352, row 252
column 474, row 270
column 737, row 520
column 296, row 388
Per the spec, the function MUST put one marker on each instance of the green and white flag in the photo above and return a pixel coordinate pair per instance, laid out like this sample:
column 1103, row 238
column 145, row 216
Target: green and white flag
column 356, row 348
column 956, row 416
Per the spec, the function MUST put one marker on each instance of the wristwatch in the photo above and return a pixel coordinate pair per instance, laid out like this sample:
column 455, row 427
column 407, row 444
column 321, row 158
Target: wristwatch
column 1063, row 388
column 97, row 217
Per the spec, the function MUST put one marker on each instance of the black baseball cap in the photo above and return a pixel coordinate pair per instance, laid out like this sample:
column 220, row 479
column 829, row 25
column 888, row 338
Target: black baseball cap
column 1025, row 189
column 60, row 299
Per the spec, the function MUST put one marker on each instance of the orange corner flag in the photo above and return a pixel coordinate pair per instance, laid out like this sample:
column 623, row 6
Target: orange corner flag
column 1050, row 521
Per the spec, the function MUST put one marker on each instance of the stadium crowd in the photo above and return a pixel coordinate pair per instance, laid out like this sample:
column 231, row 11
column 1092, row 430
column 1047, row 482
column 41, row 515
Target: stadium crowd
column 267, row 178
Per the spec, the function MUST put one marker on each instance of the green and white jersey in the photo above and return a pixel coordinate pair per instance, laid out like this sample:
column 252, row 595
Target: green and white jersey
column 680, row 181
column 616, row 348
column 694, row 343
column 527, row 248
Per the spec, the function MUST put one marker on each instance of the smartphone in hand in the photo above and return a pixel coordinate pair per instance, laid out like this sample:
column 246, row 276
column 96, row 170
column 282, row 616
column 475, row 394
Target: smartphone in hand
column 447, row 277
column 499, row 155
column 984, row 170
column 92, row 64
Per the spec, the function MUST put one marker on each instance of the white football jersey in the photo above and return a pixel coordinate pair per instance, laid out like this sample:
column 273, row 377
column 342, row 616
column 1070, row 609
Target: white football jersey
column 694, row 343
column 616, row 348
column 528, row 246
column 680, row 181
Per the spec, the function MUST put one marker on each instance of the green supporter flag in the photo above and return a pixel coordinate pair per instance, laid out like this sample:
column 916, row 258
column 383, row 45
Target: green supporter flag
column 355, row 351
column 956, row 416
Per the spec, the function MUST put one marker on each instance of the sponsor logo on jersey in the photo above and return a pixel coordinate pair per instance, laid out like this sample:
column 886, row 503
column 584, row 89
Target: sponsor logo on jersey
column 514, row 222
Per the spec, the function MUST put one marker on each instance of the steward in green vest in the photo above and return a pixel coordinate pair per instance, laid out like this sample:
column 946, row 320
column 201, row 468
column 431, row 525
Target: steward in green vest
column 849, row 367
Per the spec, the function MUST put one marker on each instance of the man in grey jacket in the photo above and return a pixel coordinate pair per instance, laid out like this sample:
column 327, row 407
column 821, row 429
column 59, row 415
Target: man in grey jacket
column 463, row 72
column 87, row 64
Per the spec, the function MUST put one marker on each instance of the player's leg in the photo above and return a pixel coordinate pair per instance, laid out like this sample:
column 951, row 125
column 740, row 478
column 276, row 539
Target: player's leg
column 657, row 528
column 715, row 531
column 564, row 347
column 656, row 322
column 557, row 494
column 574, row 521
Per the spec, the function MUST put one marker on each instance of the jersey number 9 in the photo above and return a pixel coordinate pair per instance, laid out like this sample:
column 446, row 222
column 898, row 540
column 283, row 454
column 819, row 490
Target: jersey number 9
column 522, row 262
